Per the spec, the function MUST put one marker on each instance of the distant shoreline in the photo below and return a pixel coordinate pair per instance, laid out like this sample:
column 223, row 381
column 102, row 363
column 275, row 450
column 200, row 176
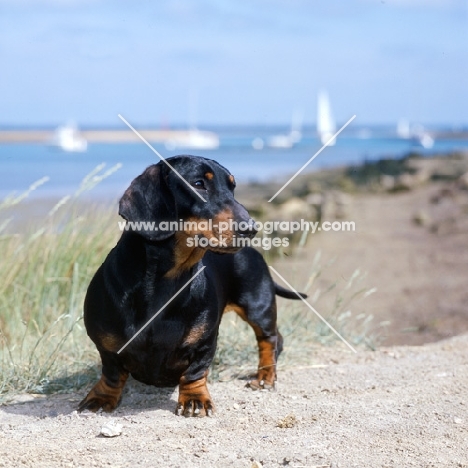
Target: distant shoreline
column 93, row 136
column 153, row 135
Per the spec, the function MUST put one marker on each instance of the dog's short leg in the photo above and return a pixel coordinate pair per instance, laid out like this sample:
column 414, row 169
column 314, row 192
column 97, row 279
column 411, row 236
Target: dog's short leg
column 106, row 394
column 267, row 353
column 269, row 340
column 194, row 398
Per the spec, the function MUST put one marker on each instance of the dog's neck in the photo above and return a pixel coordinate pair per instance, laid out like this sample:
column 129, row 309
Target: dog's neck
column 185, row 257
column 178, row 255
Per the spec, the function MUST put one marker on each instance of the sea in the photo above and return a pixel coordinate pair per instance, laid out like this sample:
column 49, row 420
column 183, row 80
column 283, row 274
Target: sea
column 21, row 165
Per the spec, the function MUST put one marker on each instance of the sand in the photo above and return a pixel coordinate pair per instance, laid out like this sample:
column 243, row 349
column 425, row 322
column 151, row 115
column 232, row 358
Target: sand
column 420, row 271
column 396, row 407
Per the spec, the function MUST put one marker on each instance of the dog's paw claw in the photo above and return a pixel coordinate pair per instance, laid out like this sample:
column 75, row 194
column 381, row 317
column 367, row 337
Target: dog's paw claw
column 260, row 385
column 95, row 404
column 195, row 408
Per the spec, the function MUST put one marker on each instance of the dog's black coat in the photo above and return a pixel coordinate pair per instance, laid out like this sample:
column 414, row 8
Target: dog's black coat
column 147, row 267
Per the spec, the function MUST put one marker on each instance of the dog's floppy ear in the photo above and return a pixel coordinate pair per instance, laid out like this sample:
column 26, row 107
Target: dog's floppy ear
column 147, row 202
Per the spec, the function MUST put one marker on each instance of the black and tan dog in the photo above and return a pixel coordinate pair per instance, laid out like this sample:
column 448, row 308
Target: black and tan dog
column 148, row 266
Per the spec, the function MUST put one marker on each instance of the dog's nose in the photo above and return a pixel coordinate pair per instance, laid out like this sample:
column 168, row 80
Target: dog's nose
column 247, row 229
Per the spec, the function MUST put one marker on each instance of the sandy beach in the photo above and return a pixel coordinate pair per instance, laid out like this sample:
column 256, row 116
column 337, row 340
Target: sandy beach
column 400, row 406
column 419, row 271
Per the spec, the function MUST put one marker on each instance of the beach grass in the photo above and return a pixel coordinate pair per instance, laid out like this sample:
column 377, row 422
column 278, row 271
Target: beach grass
column 44, row 274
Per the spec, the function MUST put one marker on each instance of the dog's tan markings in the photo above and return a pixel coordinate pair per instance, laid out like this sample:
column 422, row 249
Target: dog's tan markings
column 231, row 179
column 194, row 398
column 266, row 375
column 224, row 216
column 209, row 175
column 240, row 311
column 203, row 228
column 231, row 307
column 185, row 257
column 200, row 226
column 104, row 394
column 110, row 342
column 195, row 334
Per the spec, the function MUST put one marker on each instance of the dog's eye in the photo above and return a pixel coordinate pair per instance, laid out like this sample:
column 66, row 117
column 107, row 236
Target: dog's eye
column 199, row 184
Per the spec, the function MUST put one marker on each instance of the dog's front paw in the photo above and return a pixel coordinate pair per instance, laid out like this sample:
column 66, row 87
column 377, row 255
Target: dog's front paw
column 94, row 403
column 257, row 384
column 194, row 398
column 196, row 407
column 103, row 395
column 264, row 380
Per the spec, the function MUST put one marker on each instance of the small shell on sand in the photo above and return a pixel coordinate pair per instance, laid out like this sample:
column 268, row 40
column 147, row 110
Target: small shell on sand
column 111, row 429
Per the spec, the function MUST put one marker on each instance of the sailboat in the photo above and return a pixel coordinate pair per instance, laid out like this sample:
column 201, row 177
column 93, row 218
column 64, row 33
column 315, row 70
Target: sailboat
column 416, row 133
column 326, row 126
column 69, row 139
column 193, row 138
column 403, row 129
column 290, row 139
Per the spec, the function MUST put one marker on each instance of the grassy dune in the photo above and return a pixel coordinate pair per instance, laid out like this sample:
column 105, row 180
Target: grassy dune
column 45, row 271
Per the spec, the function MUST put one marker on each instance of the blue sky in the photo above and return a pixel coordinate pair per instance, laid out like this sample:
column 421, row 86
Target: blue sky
column 248, row 62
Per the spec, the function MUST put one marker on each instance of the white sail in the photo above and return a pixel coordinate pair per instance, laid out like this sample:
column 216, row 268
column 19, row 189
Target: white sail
column 403, row 129
column 193, row 138
column 421, row 136
column 290, row 139
column 68, row 138
column 416, row 133
column 326, row 126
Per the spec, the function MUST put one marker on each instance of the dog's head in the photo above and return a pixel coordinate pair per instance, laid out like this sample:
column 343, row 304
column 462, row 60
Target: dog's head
column 166, row 198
